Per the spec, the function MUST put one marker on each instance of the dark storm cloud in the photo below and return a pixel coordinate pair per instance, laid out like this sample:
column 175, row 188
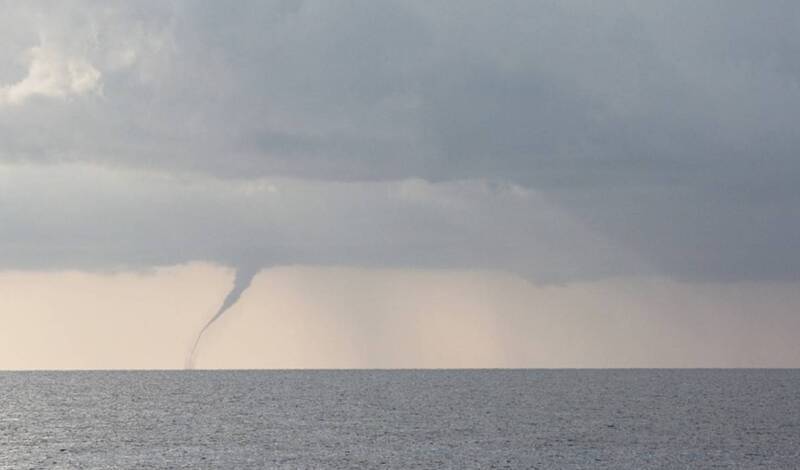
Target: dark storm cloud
column 669, row 130
column 74, row 216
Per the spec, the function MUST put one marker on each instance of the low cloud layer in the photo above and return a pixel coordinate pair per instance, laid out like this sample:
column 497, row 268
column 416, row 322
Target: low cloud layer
column 68, row 216
column 653, row 139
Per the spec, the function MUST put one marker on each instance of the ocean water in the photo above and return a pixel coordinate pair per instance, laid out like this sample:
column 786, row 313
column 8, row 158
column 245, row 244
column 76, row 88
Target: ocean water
column 401, row 419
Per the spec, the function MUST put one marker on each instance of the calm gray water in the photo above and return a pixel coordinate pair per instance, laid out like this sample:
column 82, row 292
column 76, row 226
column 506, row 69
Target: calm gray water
column 401, row 419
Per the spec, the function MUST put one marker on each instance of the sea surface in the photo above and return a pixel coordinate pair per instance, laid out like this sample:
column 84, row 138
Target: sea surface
column 401, row 419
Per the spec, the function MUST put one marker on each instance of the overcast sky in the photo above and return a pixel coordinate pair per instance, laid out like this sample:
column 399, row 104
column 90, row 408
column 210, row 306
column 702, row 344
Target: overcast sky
column 561, row 142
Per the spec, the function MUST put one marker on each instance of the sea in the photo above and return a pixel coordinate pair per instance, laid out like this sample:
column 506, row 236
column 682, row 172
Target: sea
column 341, row 419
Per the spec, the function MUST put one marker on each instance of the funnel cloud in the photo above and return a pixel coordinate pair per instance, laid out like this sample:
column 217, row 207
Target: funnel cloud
column 241, row 281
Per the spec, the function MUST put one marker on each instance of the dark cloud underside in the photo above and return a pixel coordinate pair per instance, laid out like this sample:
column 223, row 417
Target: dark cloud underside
column 667, row 131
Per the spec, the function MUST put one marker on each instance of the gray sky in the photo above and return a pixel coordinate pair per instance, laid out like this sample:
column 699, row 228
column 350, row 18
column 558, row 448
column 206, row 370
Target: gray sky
column 667, row 132
column 563, row 142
